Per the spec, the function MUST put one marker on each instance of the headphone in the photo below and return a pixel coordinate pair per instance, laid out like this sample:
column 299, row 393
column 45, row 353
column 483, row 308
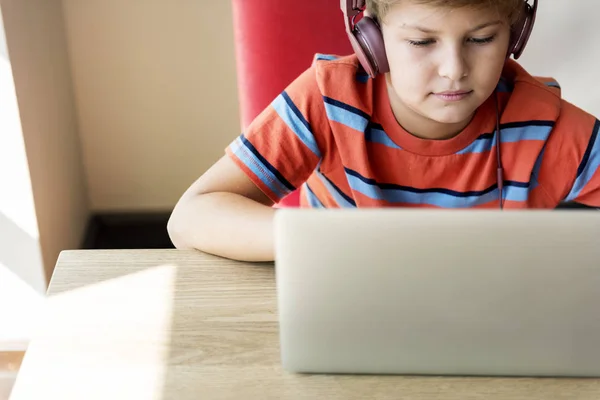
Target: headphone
column 367, row 41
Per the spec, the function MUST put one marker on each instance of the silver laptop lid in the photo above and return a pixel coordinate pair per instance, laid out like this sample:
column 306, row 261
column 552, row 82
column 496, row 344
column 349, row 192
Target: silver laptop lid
column 439, row 291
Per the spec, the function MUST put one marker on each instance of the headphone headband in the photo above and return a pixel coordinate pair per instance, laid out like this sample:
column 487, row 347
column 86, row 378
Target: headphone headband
column 521, row 31
column 367, row 40
column 353, row 5
column 351, row 8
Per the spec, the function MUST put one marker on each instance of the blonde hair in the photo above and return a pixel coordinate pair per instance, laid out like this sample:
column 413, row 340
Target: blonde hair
column 511, row 9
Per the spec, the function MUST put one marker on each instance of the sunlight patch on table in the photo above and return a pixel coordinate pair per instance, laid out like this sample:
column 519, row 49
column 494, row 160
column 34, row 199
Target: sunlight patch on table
column 20, row 308
column 104, row 341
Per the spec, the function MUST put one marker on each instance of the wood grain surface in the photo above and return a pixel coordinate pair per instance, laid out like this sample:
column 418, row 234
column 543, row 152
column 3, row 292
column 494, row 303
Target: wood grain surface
column 171, row 324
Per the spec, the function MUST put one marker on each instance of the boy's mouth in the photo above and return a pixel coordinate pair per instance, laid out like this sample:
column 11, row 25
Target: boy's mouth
column 454, row 95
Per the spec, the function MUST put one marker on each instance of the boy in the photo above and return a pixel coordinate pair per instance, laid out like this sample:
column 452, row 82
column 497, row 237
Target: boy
column 424, row 134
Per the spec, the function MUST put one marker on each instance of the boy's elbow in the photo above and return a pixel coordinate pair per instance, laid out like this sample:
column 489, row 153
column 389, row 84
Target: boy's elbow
column 176, row 230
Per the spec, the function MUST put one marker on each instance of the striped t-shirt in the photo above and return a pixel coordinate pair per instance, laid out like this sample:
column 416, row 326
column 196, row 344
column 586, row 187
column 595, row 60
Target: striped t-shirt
column 333, row 134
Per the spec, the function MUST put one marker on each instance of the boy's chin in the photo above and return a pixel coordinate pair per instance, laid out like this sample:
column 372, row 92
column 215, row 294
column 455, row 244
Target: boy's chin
column 451, row 118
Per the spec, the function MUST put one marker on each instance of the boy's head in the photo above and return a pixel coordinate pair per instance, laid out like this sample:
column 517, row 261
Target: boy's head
column 445, row 58
column 509, row 9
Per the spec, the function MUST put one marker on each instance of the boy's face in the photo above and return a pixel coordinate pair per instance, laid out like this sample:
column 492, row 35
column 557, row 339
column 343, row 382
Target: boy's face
column 434, row 51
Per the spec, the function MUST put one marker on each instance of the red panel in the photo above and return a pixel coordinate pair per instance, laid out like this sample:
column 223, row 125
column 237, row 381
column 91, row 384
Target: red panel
column 275, row 40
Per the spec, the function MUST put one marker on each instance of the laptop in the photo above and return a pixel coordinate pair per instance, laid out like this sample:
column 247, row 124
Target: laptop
column 439, row 292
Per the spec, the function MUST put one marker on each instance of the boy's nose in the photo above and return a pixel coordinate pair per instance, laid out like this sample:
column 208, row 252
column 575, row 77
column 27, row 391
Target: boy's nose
column 453, row 65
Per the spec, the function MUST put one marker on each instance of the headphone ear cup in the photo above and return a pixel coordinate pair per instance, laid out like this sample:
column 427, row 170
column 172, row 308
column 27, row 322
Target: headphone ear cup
column 369, row 46
column 521, row 31
column 357, row 42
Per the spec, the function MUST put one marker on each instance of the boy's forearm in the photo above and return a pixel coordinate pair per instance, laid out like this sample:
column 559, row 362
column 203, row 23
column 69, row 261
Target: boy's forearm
column 225, row 224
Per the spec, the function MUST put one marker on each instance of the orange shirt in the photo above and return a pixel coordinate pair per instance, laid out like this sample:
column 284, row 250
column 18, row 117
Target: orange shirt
column 332, row 133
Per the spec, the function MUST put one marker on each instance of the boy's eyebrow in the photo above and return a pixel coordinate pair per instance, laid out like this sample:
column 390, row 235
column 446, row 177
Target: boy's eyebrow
column 426, row 30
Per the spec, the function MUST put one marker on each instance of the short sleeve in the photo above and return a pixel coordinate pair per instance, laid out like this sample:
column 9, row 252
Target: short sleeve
column 284, row 144
column 586, row 186
column 571, row 165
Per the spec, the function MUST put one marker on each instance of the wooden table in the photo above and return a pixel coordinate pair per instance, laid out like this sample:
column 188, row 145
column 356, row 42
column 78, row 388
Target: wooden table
column 168, row 324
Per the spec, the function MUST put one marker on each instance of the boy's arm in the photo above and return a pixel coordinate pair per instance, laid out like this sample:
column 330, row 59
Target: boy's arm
column 224, row 213
column 228, row 210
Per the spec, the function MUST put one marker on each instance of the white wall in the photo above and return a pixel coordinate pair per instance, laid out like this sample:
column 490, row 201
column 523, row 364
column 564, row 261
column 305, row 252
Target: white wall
column 565, row 44
column 156, row 95
column 37, row 49
column 20, row 251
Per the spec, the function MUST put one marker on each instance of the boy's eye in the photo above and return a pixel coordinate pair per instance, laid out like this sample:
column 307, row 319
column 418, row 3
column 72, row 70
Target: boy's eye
column 488, row 39
column 420, row 43
column 427, row 42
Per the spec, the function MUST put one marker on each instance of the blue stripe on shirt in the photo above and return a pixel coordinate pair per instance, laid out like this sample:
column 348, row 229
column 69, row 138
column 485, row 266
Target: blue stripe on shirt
column 244, row 150
column 514, row 191
column 375, row 134
column 341, row 198
column 362, row 77
column 357, row 120
column 535, row 173
column 589, row 164
column 311, row 197
column 267, row 164
column 325, row 57
column 511, row 133
column 291, row 115
column 506, row 86
column 346, row 114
